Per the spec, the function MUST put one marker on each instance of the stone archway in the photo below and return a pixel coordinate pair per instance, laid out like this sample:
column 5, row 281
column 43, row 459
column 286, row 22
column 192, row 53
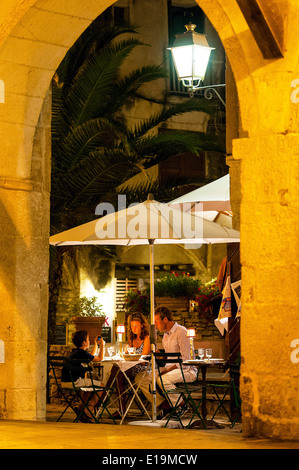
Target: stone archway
column 34, row 39
column 263, row 149
column 40, row 34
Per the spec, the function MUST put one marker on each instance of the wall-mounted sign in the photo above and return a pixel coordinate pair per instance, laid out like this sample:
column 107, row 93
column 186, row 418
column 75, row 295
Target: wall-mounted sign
column 106, row 334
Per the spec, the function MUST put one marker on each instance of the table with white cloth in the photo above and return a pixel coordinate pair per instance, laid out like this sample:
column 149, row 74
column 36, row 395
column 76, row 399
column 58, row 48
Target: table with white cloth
column 124, row 366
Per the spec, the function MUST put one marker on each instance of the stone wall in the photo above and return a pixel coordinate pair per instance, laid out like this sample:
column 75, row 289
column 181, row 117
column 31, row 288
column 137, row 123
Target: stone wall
column 54, row 395
column 205, row 328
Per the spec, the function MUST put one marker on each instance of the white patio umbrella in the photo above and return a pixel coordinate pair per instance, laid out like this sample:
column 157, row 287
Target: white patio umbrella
column 214, row 199
column 147, row 223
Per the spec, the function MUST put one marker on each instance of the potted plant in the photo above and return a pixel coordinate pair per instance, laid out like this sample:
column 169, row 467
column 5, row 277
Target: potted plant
column 173, row 289
column 177, row 285
column 87, row 314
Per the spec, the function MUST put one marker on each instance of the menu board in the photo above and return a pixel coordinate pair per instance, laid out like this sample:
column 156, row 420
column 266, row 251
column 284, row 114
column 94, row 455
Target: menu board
column 106, row 334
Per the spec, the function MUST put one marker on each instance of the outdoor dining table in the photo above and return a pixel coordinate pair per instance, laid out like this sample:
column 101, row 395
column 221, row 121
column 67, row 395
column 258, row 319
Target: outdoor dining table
column 124, row 366
column 202, row 366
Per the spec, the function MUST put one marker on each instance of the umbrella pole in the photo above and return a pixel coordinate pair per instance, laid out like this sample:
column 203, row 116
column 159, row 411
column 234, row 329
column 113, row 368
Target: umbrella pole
column 153, row 342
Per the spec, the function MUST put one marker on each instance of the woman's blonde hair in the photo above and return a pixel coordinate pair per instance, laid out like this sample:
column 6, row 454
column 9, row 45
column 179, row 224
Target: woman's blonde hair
column 144, row 326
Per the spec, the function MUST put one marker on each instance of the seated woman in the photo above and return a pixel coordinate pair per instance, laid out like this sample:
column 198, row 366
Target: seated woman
column 81, row 341
column 138, row 337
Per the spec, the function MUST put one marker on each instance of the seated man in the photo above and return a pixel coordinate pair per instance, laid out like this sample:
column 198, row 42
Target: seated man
column 81, row 341
column 174, row 340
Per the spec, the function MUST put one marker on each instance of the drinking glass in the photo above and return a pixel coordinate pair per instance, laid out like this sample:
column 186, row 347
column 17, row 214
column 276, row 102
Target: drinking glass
column 111, row 351
column 201, row 353
column 209, row 353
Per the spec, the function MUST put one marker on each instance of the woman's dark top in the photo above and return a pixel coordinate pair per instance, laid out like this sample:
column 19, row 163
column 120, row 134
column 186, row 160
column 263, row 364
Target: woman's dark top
column 78, row 370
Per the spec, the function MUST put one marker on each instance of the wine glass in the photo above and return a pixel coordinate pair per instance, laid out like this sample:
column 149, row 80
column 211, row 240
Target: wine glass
column 209, row 353
column 201, row 353
column 111, row 351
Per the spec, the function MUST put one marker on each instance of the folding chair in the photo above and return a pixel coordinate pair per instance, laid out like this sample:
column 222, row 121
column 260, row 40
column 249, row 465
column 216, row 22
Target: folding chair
column 229, row 389
column 75, row 365
column 184, row 390
column 69, row 395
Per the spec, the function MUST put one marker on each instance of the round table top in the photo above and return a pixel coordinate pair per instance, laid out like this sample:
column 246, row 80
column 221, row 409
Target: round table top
column 205, row 362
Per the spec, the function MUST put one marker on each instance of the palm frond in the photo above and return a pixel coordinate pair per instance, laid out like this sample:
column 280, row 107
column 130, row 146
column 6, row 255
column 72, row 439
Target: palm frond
column 127, row 87
column 98, row 173
column 82, row 140
column 89, row 94
column 159, row 147
column 93, row 150
column 171, row 188
column 93, row 39
column 166, row 113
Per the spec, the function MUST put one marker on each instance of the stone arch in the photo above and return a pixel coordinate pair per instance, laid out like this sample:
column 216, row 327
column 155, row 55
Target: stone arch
column 37, row 37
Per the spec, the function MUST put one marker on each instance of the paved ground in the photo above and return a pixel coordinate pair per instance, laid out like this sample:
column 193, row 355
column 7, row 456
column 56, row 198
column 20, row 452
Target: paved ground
column 68, row 435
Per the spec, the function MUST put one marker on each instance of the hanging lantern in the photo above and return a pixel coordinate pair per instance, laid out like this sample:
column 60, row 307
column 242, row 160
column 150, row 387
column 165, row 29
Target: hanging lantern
column 191, row 53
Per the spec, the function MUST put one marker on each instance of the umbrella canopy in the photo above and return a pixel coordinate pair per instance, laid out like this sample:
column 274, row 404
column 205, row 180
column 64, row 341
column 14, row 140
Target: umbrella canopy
column 214, row 196
column 149, row 222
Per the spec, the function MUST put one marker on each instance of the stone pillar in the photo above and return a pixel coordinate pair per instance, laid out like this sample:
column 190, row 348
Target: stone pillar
column 270, row 303
column 24, row 248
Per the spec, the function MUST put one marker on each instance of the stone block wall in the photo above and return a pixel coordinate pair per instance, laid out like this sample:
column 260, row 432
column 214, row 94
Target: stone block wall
column 56, row 350
column 205, row 328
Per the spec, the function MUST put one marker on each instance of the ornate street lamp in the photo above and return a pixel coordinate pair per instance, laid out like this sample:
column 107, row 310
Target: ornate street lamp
column 191, row 54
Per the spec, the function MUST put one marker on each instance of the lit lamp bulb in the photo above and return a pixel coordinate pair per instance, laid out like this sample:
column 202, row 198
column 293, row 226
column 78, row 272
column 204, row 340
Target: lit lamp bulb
column 191, row 333
column 191, row 53
column 120, row 330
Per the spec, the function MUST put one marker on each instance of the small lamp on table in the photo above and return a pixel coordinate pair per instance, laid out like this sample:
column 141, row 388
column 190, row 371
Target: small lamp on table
column 120, row 330
column 191, row 333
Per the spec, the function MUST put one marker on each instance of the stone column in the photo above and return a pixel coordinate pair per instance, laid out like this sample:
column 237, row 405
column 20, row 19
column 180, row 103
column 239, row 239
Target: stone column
column 270, row 303
column 24, row 248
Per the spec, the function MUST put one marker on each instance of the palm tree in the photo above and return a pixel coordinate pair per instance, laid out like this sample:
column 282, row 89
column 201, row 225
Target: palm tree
column 94, row 151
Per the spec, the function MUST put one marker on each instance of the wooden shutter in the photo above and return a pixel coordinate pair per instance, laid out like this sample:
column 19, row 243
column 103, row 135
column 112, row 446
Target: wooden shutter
column 122, row 286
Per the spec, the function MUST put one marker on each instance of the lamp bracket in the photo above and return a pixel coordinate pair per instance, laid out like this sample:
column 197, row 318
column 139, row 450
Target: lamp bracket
column 208, row 91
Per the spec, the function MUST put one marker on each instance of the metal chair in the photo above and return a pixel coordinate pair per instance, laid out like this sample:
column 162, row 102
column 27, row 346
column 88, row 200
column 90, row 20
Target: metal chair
column 184, row 390
column 75, row 365
column 69, row 395
column 230, row 388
